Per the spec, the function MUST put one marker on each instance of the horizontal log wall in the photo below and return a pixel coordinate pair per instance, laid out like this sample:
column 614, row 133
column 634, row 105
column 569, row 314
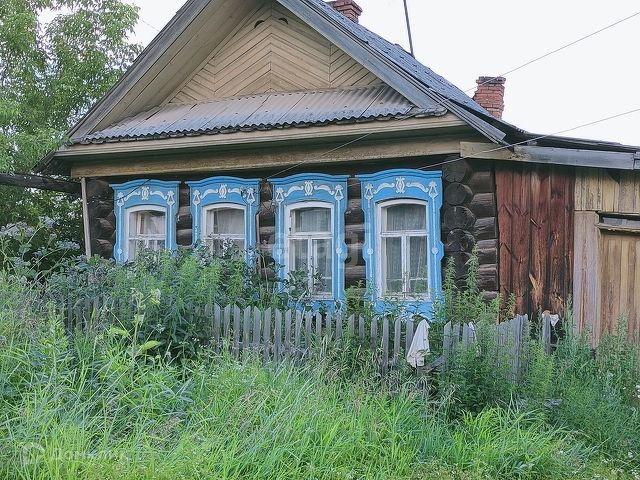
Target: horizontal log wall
column 468, row 219
column 535, row 219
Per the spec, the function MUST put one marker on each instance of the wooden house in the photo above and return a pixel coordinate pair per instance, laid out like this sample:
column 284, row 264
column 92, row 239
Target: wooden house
column 287, row 126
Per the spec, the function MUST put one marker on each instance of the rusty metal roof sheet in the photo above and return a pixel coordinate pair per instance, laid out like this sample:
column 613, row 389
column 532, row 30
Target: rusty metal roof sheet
column 262, row 112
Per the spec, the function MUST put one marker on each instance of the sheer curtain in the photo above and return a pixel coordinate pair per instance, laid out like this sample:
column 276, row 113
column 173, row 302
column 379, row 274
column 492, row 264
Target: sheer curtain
column 316, row 219
column 404, row 249
column 147, row 229
column 224, row 230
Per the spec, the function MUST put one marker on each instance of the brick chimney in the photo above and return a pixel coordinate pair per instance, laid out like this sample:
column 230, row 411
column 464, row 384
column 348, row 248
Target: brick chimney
column 348, row 8
column 490, row 94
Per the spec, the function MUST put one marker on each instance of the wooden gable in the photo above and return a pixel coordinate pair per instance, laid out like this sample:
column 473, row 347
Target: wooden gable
column 271, row 51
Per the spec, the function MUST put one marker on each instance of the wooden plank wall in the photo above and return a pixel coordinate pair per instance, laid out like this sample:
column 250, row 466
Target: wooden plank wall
column 535, row 222
column 607, row 263
column 613, row 191
column 272, row 51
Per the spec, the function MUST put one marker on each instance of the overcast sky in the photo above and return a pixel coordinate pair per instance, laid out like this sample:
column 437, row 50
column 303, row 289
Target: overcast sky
column 463, row 39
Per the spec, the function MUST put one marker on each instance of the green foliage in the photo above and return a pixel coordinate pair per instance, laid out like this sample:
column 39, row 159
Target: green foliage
column 57, row 58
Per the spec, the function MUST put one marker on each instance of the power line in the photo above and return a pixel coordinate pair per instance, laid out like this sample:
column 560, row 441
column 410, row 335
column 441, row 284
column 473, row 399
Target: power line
column 148, row 24
column 557, row 49
column 539, row 137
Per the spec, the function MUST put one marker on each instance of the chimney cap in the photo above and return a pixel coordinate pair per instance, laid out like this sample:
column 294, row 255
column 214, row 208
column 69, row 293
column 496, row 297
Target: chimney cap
column 348, row 8
column 486, row 80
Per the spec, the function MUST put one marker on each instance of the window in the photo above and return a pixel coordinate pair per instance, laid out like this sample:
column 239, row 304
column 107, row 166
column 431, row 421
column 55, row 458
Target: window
column 224, row 229
column 310, row 243
column 145, row 213
column 310, row 212
column 402, row 249
column 404, row 260
column 224, row 214
column 147, row 229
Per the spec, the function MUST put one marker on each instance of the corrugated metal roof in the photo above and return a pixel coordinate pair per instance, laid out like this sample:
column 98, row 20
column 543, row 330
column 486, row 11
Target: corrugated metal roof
column 263, row 112
column 403, row 59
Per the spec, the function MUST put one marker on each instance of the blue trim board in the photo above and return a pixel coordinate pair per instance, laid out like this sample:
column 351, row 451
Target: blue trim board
column 220, row 190
column 151, row 193
column 400, row 184
column 329, row 189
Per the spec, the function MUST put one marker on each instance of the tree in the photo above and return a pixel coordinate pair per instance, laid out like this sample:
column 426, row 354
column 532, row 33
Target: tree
column 57, row 57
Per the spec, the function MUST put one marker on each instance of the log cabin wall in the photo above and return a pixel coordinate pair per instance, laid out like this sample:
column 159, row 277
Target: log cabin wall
column 535, row 223
column 468, row 218
column 607, row 253
column 102, row 220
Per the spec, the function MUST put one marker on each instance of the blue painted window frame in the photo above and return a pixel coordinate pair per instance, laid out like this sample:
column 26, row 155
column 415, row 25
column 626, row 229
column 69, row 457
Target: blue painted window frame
column 213, row 191
column 154, row 194
column 410, row 185
column 317, row 187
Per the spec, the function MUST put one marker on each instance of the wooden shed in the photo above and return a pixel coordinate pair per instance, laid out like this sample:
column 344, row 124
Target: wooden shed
column 286, row 126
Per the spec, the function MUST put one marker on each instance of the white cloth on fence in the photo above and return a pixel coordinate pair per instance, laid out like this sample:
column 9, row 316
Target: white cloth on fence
column 419, row 346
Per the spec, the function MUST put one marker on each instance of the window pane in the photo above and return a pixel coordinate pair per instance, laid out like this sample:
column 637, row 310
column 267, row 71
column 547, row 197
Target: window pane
column 298, row 250
column 314, row 219
column 134, row 247
column 225, row 246
column 225, row 221
column 406, row 216
column 322, row 263
column 391, row 265
column 147, row 223
column 418, row 274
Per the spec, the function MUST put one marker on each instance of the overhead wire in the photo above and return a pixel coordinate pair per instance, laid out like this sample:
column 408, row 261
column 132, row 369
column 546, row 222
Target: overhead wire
column 563, row 47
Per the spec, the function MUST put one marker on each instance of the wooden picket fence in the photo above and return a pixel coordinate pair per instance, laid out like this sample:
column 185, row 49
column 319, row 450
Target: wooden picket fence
column 278, row 336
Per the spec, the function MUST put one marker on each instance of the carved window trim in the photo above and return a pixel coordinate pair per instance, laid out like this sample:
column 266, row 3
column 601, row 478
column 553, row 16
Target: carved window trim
column 135, row 196
column 313, row 189
column 216, row 192
column 402, row 184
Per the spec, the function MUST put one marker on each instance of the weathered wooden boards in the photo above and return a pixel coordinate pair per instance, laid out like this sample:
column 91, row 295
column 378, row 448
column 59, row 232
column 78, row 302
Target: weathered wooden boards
column 607, row 260
column 535, row 218
column 607, row 190
column 272, row 51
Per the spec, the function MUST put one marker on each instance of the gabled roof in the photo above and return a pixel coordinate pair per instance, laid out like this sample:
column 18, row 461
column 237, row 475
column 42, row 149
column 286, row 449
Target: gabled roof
column 420, row 86
column 263, row 112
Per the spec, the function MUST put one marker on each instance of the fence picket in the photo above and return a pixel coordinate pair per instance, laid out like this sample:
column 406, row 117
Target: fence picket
column 217, row 321
column 266, row 321
column 318, row 328
column 277, row 337
column 227, row 324
column 246, row 329
column 308, row 332
column 287, row 333
column 236, row 331
column 352, row 323
column 338, row 327
column 397, row 332
column 327, row 323
column 546, row 332
column 298, row 334
column 385, row 344
column 409, row 334
column 257, row 324
column 361, row 327
column 374, row 334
